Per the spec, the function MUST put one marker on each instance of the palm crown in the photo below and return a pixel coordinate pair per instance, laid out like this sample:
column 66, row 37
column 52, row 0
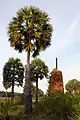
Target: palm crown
column 13, row 70
column 30, row 29
column 38, row 68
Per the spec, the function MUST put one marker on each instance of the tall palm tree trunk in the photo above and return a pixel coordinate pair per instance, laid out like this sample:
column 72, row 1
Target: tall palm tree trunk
column 12, row 88
column 37, row 90
column 27, row 87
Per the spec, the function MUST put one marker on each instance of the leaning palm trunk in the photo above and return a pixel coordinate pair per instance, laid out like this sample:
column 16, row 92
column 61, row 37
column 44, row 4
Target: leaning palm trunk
column 27, row 87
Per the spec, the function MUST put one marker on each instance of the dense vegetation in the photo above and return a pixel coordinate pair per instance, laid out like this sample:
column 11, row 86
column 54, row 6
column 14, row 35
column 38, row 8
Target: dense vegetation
column 57, row 107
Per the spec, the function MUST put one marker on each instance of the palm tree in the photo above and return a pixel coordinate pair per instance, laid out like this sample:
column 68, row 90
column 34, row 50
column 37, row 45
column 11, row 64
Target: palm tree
column 39, row 71
column 13, row 74
column 31, row 31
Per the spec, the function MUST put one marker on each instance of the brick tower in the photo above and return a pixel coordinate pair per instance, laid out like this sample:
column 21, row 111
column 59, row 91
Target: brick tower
column 56, row 81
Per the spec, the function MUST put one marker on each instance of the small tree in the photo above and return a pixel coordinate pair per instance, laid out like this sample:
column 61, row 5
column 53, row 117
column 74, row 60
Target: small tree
column 73, row 86
column 39, row 71
column 13, row 73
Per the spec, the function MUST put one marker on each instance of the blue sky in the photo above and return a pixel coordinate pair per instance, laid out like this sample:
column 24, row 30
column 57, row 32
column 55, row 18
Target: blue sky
column 65, row 18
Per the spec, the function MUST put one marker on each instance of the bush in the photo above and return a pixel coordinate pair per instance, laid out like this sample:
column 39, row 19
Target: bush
column 16, row 100
column 57, row 107
column 5, row 107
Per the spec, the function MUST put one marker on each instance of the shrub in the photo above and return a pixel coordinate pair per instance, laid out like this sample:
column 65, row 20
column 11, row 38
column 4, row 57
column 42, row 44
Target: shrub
column 58, row 107
column 5, row 107
column 16, row 100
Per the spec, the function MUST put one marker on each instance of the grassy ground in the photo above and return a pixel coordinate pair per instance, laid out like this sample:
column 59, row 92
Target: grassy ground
column 57, row 107
column 18, row 114
column 16, row 111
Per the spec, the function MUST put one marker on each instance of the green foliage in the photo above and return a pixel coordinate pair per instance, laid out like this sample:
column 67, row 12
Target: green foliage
column 5, row 107
column 2, row 94
column 8, row 107
column 38, row 69
column 30, row 23
column 16, row 100
column 40, row 92
column 13, row 69
column 58, row 107
column 6, row 84
column 73, row 86
column 13, row 73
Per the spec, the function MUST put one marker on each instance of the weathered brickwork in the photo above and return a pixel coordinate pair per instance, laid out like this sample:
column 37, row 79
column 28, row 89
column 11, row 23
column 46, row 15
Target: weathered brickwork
column 56, row 81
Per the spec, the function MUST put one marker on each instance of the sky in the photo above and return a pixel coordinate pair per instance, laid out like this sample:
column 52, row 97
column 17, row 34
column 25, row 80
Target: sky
column 65, row 42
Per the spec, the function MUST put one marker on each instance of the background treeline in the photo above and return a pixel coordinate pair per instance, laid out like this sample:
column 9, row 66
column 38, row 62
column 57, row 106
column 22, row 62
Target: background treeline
column 9, row 94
